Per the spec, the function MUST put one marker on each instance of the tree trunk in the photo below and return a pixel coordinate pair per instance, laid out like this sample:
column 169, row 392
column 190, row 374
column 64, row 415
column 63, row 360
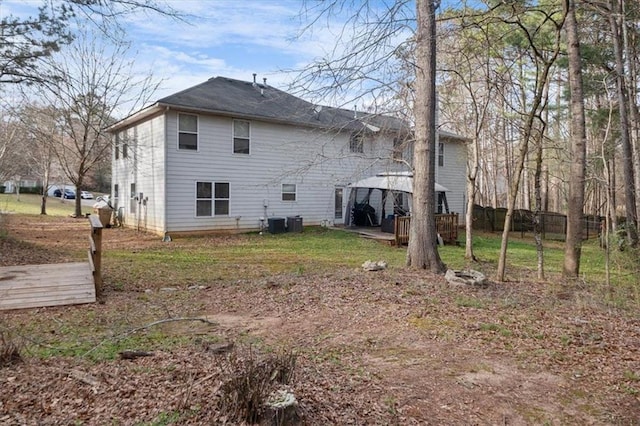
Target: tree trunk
column 627, row 158
column 423, row 251
column 633, row 107
column 473, row 156
column 537, row 185
column 577, row 149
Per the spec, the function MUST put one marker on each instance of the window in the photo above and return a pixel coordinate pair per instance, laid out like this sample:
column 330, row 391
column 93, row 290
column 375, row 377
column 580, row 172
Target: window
column 356, row 143
column 443, row 206
column 115, row 191
column 241, row 138
column 338, row 204
column 188, row 132
column 288, row 192
column 398, row 147
column 117, row 146
column 132, row 199
column 441, row 154
column 203, row 198
column 221, row 201
column 125, row 146
column 212, row 199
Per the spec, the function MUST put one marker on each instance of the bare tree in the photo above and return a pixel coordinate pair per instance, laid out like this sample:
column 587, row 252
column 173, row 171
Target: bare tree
column 42, row 124
column 28, row 40
column 543, row 58
column 422, row 251
column 577, row 149
column 377, row 41
column 95, row 85
column 614, row 13
column 467, row 64
column 12, row 141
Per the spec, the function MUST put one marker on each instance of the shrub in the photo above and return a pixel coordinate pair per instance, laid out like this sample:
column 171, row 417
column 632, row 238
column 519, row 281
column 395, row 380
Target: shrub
column 9, row 352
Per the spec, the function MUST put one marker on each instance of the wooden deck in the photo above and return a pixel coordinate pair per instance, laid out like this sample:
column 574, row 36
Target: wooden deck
column 373, row 233
column 446, row 226
column 32, row 286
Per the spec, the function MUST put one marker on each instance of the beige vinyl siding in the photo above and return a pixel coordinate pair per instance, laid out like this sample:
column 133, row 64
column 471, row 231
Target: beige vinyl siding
column 316, row 161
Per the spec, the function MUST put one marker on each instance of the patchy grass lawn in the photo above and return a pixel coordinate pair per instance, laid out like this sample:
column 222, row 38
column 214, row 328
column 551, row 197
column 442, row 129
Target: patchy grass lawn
column 390, row 347
column 30, row 204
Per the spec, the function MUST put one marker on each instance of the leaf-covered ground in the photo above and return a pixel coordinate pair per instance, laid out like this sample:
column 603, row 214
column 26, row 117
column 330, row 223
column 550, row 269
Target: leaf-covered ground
column 389, row 347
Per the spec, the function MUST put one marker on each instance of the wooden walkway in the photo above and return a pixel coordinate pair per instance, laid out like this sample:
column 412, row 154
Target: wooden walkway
column 32, row 286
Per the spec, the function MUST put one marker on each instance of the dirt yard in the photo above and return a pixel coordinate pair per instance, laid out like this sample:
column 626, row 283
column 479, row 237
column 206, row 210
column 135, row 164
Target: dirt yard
column 389, row 347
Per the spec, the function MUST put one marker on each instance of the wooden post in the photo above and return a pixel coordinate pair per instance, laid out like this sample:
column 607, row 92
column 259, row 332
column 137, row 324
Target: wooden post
column 95, row 252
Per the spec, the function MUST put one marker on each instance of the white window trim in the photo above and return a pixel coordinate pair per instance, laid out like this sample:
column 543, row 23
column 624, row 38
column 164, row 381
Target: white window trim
column 295, row 193
column 196, row 199
column 397, row 149
column 228, row 200
column 441, row 154
column 233, row 137
column 359, row 138
column 197, row 133
column 212, row 200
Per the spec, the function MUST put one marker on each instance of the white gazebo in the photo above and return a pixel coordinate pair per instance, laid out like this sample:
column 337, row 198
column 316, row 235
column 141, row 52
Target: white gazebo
column 370, row 204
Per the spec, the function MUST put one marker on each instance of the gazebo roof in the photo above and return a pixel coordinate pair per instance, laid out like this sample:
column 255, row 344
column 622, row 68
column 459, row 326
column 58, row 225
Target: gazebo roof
column 400, row 181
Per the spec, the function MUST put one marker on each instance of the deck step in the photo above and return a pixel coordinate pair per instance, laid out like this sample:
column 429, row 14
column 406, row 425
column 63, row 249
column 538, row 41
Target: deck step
column 31, row 286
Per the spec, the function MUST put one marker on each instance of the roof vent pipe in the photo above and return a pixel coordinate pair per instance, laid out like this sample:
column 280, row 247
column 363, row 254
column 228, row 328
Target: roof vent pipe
column 355, row 111
column 264, row 80
column 254, row 79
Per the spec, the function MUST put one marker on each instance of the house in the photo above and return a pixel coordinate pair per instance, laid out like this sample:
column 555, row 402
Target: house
column 25, row 184
column 228, row 155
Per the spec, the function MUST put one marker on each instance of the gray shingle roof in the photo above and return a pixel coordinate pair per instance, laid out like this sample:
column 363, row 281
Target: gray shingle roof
column 258, row 101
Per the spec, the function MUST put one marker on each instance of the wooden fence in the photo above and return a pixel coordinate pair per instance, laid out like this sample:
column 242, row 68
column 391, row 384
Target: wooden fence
column 446, row 227
column 95, row 252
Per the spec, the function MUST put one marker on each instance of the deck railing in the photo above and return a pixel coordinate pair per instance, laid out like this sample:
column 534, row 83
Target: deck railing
column 95, row 252
column 401, row 229
column 446, row 227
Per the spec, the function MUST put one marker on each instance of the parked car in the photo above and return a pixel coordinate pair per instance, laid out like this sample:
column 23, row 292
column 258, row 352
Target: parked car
column 57, row 193
column 69, row 194
column 86, row 195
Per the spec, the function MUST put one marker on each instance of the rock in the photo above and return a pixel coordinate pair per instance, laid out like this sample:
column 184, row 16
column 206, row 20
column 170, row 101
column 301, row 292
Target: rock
column 196, row 287
column 220, row 348
column 374, row 266
column 168, row 289
column 465, row 278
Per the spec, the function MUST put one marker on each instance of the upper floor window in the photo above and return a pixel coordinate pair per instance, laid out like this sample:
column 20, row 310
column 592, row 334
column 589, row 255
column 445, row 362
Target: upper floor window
column 398, row 147
column 441, row 154
column 356, row 143
column 288, row 192
column 125, row 147
column 241, row 136
column 188, row 132
column 117, row 146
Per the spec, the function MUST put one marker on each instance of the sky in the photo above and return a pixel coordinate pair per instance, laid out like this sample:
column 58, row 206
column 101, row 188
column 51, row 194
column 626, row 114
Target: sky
column 214, row 38
column 233, row 38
